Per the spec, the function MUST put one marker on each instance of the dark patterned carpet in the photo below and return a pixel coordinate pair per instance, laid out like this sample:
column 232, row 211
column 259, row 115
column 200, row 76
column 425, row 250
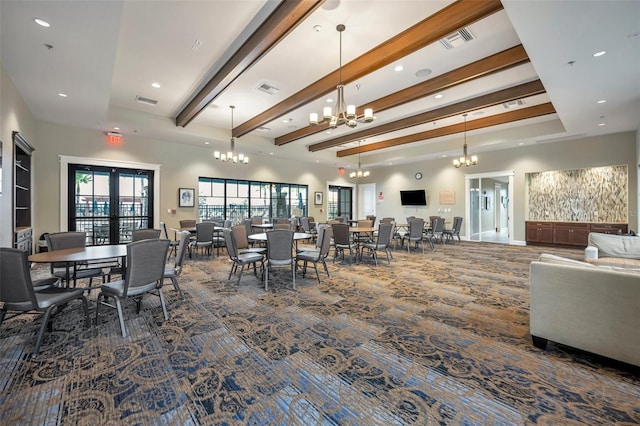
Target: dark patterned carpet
column 439, row 338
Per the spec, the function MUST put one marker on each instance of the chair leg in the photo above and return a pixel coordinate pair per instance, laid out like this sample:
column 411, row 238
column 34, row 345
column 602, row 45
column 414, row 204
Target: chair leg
column 120, row 316
column 293, row 273
column 164, row 305
column 315, row 266
column 45, row 321
column 174, row 281
column 87, row 319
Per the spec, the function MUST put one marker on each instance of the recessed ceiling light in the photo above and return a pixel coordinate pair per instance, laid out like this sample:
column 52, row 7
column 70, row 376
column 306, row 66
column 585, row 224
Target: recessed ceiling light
column 156, row 85
column 329, row 100
column 317, row 161
column 602, row 124
column 391, row 164
column 41, row 22
column 600, row 53
column 521, row 143
column 206, row 142
column 286, row 121
column 439, row 96
column 444, row 155
column 398, row 68
column 62, row 95
column 116, row 128
column 317, row 28
column 601, row 101
column 328, row 132
column 271, row 153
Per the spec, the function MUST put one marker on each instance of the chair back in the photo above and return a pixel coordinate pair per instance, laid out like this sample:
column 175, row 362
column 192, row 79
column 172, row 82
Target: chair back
column 65, row 240
column 325, row 241
column 248, row 226
column 187, row 223
column 145, row 234
column 304, row 222
column 372, row 218
column 385, row 231
column 333, row 222
column 457, row 224
column 145, row 264
column 438, row 226
column 280, row 245
column 416, row 226
column 282, row 226
column 16, row 287
column 240, row 237
column 182, row 249
column 255, row 220
column 163, row 231
column 341, row 233
column 387, row 220
column 230, row 243
column 322, row 228
column 204, row 231
column 227, row 224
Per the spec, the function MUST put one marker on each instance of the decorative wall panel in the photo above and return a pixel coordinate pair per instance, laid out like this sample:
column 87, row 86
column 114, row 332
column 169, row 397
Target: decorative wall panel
column 598, row 194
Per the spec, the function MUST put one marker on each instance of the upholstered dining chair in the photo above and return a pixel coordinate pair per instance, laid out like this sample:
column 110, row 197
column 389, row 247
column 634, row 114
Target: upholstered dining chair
column 316, row 256
column 342, row 241
column 173, row 272
column 242, row 242
column 68, row 240
column 279, row 253
column 145, row 234
column 455, row 229
column 188, row 223
column 173, row 244
column 415, row 234
column 204, row 237
column 382, row 243
column 145, row 270
column 18, row 293
column 240, row 259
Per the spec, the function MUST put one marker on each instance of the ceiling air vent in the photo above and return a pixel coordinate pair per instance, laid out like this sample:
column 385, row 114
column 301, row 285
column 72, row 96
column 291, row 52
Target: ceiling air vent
column 458, row 38
column 513, row 104
column 146, row 101
column 267, row 87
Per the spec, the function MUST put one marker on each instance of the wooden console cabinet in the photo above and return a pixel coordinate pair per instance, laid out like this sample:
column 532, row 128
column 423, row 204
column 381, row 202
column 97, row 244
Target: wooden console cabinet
column 568, row 233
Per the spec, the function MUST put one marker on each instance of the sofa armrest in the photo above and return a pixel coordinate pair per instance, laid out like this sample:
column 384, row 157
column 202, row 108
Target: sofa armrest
column 593, row 309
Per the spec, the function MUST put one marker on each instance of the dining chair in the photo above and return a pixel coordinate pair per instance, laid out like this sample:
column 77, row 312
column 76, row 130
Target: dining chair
column 173, row 244
column 145, row 270
column 18, row 293
column 342, row 241
column 383, row 242
column 68, row 240
column 240, row 259
column 145, row 234
column 316, row 256
column 173, row 272
column 455, row 229
column 242, row 242
column 204, row 237
column 415, row 234
column 188, row 223
column 306, row 227
column 279, row 253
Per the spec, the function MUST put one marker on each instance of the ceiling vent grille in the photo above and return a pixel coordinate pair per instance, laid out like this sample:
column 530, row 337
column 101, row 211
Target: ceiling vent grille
column 267, row 87
column 513, row 104
column 458, row 38
column 146, row 101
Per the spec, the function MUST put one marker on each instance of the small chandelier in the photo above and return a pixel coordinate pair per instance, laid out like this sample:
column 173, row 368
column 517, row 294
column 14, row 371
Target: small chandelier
column 465, row 160
column 231, row 155
column 343, row 114
column 359, row 173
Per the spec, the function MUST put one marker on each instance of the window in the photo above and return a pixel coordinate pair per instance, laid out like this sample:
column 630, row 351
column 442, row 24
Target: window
column 237, row 200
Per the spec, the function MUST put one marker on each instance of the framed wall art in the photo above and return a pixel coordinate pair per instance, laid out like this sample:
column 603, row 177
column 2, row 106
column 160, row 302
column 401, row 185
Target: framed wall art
column 186, row 197
column 317, row 200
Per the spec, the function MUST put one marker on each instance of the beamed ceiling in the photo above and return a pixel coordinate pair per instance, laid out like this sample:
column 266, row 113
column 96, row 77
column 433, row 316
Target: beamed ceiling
column 527, row 75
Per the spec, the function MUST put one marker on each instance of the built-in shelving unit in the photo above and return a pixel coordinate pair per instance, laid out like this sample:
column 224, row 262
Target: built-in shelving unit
column 23, row 233
column 568, row 233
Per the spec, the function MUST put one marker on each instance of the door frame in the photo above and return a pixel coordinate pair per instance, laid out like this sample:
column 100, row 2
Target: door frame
column 65, row 160
column 467, row 188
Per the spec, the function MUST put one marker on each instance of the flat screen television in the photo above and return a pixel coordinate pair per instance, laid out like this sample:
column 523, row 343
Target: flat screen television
column 416, row 197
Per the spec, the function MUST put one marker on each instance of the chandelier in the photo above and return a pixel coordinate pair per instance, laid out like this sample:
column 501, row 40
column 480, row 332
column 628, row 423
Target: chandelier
column 465, row 160
column 231, row 155
column 343, row 114
column 359, row 173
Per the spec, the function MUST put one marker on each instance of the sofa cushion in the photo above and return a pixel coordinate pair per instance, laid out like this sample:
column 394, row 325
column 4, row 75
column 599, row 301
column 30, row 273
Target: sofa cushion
column 615, row 245
column 617, row 262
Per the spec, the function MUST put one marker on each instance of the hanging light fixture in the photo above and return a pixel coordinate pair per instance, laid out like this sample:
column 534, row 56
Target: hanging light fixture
column 465, row 160
column 231, row 155
column 359, row 173
column 343, row 113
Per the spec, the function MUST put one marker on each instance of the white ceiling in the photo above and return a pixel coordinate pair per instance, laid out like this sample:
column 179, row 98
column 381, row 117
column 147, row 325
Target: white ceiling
column 105, row 53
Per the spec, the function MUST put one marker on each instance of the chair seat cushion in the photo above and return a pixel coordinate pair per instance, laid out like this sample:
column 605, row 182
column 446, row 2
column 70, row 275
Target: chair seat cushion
column 250, row 257
column 259, row 250
column 56, row 296
column 170, row 271
column 44, row 283
column 308, row 255
column 283, row 262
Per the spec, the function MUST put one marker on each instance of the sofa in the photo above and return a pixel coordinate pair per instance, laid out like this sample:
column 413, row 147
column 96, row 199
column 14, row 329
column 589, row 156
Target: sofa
column 595, row 308
column 613, row 250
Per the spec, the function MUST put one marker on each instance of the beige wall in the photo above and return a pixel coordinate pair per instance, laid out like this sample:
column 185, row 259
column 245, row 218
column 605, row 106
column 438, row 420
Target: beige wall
column 441, row 175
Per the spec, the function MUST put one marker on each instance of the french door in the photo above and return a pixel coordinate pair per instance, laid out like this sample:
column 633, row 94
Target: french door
column 339, row 201
column 109, row 202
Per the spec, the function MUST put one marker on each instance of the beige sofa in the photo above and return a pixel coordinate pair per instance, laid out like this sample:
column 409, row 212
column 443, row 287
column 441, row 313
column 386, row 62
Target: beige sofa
column 613, row 250
column 585, row 306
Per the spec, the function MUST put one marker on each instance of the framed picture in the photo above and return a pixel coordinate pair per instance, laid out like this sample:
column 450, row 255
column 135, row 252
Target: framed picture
column 317, row 200
column 186, row 197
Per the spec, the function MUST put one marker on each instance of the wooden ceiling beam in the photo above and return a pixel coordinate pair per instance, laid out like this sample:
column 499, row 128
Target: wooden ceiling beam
column 446, row 21
column 480, row 68
column 531, row 88
column 284, row 19
column 494, row 120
